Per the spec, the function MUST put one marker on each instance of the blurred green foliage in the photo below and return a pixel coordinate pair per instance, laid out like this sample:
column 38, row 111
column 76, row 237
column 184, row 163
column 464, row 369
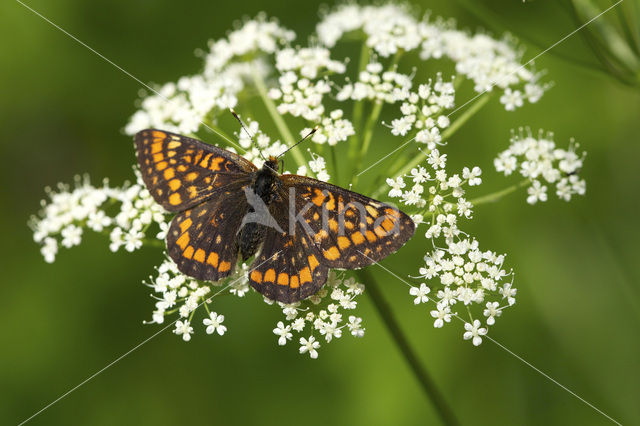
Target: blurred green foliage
column 61, row 113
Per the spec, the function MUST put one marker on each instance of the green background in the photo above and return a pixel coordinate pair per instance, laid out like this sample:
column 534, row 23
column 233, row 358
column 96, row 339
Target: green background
column 62, row 110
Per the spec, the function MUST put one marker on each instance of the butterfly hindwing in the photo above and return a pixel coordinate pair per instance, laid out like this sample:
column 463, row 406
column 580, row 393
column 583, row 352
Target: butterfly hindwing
column 181, row 172
column 202, row 240
column 288, row 267
column 349, row 230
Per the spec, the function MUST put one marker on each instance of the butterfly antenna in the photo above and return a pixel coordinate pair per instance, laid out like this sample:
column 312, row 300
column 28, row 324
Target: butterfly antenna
column 315, row 129
column 244, row 126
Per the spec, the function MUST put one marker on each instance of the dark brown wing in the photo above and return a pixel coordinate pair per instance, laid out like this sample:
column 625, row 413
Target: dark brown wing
column 349, row 230
column 288, row 268
column 202, row 240
column 181, row 172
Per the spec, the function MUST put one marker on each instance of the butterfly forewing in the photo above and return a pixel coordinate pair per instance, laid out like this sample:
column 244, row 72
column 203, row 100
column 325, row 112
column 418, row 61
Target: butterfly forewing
column 202, row 240
column 181, row 172
column 349, row 230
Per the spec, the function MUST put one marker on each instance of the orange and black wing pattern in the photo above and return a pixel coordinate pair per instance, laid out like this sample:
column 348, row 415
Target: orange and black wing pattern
column 202, row 240
column 182, row 172
column 288, row 268
column 349, row 230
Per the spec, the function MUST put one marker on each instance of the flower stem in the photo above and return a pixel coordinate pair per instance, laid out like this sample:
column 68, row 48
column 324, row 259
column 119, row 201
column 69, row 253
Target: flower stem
column 495, row 196
column 426, row 381
column 277, row 118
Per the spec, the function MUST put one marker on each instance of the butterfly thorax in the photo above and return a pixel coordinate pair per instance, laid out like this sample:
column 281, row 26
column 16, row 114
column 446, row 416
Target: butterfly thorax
column 266, row 185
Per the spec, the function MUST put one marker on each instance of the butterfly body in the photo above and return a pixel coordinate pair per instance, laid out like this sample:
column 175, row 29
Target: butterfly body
column 266, row 185
column 296, row 227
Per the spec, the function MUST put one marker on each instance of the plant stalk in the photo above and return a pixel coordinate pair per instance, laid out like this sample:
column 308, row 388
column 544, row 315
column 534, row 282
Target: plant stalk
column 277, row 118
column 426, row 381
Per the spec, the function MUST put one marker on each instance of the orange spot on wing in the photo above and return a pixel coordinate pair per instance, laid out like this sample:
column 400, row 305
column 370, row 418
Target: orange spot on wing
column 357, row 238
column 183, row 241
column 371, row 236
column 313, row 262
column 188, row 253
column 185, row 224
column 256, row 276
column 224, row 266
column 318, row 197
column 156, row 147
column 169, row 173
column 283, row 279
column 191, row 176
column 392, row 212
column 343, row 242
column 161, row 166
column 372, row 211
column 380, row 232
column 158, row 134
column 331, row 204
column 387, row 224
column 173, row 144
column 199, row 255
column 295, row 281
column 332, row 253
column 333, row 225
column 175, row 199
column 158, row 157
column 270, row 275
column 213, row 259
column 174, row 184
column 215, row 163
column 305, row 275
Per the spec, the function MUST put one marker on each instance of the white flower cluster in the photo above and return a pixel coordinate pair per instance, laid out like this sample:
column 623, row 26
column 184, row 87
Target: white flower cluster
column 444, row 193
column 317, row 166
column 459, row 271
column 303, row 84
column 462, row 273
column 376, row 84
column 538, row 160
column 488, row 62
column 321, row 315
column 185, row 106
column 125, row 213
column 176, row 292
column 424, row 111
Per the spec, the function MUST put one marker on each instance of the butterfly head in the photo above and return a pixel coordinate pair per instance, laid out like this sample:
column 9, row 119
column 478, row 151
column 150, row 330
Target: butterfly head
column 272, row 164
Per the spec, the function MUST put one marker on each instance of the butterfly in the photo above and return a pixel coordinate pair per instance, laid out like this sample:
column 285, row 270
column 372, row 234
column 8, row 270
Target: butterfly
column 227, row 207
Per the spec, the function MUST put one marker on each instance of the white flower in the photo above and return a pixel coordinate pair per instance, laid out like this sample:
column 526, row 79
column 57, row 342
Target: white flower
column 284, row 333
column 183, row 329
column 492, row 312
column 71, row 236
column 473, row 176
column 309, row 346
column 214, row 324
column 441, row 315
column 511, row 99
column 420, row 293
column 537, row 192
column 396, row 186
column 355, row 326
column 474, row 331
column 509, row 293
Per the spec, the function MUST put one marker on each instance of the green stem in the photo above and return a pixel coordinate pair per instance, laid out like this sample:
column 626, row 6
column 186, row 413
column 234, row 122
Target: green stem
column 426, row 381
column 495, row 196
column 277, row 118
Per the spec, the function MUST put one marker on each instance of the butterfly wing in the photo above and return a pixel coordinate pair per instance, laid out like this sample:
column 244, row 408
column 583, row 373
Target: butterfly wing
column 288, row 268
column 181, row 172
column 348, row 229
column 202, row 240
